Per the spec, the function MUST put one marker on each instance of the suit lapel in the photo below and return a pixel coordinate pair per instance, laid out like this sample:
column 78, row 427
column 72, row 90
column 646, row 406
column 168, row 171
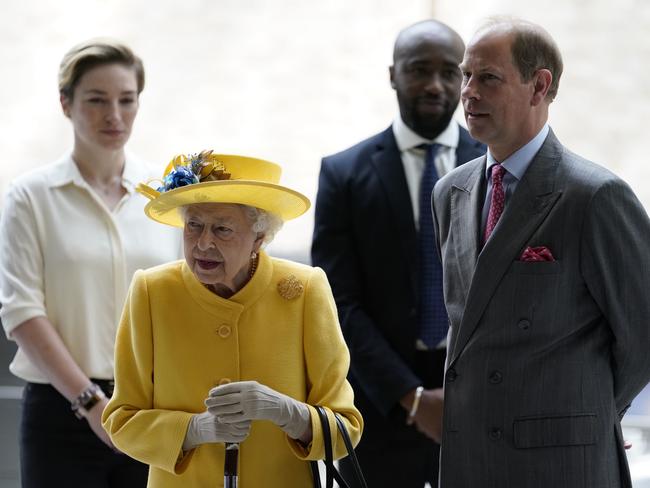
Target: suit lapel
column 390, row 170
column 531, row 202
column 466, row 205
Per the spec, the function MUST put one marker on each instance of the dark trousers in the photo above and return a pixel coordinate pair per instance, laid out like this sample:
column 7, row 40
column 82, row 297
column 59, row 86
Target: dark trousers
column 401, row 460
column 57, row 449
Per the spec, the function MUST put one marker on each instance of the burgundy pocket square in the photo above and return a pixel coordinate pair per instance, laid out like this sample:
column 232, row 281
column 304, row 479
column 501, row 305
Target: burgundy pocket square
column 541, row 253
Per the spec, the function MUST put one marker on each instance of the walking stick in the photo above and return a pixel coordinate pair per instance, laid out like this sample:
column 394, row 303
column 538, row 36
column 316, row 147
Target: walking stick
column 230, row 465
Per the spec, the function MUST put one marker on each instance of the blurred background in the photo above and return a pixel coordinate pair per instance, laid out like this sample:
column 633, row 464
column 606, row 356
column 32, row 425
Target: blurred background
column 293, row 80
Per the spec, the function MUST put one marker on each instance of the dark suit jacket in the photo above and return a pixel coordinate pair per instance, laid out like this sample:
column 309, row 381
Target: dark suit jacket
column 365, row 240
column 544, row 357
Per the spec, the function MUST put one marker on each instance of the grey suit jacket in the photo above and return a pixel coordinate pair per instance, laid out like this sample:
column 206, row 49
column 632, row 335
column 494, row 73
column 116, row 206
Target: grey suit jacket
column 544, row 357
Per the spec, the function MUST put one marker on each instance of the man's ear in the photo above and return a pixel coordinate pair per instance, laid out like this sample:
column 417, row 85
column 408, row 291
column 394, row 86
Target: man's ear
column 65, row 104
column 391, row 72
column 541, row 84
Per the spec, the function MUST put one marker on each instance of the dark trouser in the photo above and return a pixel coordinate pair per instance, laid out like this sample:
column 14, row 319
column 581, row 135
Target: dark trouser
column 57, row 449
column 398, row 460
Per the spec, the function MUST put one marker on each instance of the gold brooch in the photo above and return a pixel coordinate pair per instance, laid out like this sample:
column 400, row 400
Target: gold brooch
column 290, row 287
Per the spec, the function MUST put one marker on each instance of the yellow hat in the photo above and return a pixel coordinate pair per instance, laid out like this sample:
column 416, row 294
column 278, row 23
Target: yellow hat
column 221, row 178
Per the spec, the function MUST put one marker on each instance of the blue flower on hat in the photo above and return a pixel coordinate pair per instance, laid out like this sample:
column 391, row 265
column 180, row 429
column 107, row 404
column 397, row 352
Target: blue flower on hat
column 180, row 176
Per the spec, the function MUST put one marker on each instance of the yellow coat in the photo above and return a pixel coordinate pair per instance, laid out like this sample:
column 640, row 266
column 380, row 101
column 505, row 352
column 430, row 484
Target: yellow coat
column 177, row 340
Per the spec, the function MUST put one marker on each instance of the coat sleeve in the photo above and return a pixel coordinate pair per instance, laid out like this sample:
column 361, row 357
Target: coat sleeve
column 152, row 436
column 327, row 362
column 616, row 267
column 381, row 372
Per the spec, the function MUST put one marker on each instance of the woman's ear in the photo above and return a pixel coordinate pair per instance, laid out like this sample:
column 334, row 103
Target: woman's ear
column 65, row 104
column 259, row 240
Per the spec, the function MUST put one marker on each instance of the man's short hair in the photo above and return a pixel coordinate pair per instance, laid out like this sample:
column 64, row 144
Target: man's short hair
column 532, row 49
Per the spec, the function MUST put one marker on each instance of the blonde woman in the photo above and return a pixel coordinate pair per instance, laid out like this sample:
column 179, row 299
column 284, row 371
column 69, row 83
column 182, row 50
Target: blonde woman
column 72, row 235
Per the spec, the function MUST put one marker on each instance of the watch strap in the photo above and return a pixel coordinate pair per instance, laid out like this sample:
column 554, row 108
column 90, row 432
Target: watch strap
column 86, row 400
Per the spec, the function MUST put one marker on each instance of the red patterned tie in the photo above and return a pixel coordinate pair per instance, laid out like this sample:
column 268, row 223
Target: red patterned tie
column 497, row 202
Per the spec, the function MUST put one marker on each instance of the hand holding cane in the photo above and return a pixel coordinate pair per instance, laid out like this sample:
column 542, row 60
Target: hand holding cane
column 205, row 428
column 250, row 400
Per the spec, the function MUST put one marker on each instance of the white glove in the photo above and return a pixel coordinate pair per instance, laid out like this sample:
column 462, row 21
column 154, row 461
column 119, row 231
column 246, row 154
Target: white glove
column 205, row 428
column 249, row 400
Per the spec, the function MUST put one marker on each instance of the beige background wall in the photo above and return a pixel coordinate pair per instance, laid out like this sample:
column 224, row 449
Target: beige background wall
column 292, row 80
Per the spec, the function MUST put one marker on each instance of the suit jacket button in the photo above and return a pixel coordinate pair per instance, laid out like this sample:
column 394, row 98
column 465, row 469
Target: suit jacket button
column 495, row 434
column 496, row 377
column 523, row 324
column 413, row 312
column 451, row 375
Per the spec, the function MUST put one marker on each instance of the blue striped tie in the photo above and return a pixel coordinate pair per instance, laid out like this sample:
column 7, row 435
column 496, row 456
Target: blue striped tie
column 433, row 322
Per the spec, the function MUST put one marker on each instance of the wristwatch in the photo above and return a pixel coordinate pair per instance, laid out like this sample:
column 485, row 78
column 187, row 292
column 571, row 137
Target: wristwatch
column 86, row 400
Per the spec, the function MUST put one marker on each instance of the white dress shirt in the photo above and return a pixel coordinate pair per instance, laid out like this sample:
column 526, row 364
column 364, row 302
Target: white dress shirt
column 413, row 157
column 66, row 256
column 413, row 161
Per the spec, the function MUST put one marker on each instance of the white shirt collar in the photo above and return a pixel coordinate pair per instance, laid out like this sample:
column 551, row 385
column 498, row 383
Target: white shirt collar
column 407, row 139
column 69, row 173
column 517, row 163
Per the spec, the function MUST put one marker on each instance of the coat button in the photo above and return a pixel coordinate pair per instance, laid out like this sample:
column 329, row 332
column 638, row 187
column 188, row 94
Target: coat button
column 495, row 434
column 523, row 324
column 223, row 331
column 451, row 375
column 496, row 377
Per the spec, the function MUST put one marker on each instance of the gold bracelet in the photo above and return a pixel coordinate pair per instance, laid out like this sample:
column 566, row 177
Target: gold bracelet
column 416, row 404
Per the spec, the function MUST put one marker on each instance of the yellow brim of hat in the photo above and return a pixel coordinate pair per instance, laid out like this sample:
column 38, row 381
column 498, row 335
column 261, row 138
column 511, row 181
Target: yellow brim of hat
column 279, row 200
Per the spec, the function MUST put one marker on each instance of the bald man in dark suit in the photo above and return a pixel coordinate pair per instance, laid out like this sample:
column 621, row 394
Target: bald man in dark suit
column 374, row 238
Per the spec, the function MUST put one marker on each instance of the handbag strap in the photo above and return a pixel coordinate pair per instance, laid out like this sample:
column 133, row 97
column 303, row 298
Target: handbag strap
column 315, row 474
column 331, row 473
column 352, row 455
column 327, row 440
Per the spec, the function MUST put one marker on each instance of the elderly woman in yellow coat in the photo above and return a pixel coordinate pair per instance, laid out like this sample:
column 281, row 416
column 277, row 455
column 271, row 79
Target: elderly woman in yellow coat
column 228, row 345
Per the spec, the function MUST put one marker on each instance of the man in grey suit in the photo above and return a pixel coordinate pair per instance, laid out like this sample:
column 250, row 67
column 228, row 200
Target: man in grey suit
column 546, row 268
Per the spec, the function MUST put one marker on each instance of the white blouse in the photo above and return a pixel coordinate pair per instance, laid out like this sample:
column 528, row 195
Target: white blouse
column 66, row 256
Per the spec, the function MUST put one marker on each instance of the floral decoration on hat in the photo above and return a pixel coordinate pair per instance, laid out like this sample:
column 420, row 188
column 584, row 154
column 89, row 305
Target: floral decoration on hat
column 194, row 168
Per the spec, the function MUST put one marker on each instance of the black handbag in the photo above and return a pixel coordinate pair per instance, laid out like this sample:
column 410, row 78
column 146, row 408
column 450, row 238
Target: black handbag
column 331, row 473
